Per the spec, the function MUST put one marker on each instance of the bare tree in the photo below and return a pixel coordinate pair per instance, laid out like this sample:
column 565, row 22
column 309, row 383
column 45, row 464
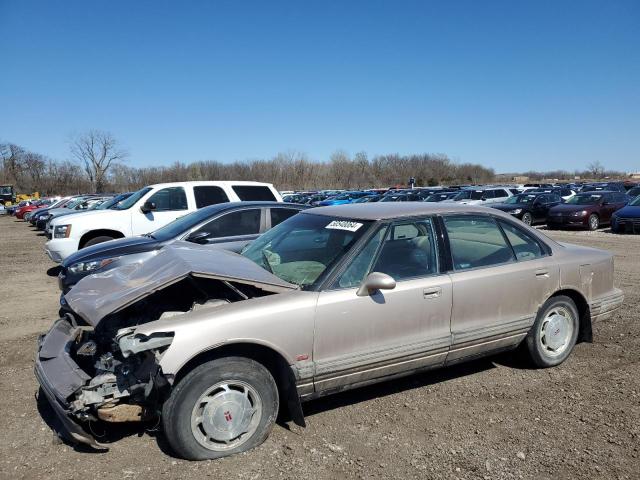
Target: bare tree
column 97, row 151
column 596, row 169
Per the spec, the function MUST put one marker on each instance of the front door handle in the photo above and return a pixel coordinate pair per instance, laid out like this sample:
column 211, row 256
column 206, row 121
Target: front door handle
column 432, row 292
column 542, row 273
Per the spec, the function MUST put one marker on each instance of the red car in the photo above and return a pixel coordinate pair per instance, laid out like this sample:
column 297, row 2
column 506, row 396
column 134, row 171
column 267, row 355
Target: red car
column 586, row 210
column 20, row 213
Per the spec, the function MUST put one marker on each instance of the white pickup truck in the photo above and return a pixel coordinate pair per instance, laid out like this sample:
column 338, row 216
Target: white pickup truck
column 147, row 210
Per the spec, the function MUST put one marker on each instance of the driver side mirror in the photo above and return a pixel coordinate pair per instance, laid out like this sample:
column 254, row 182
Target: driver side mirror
column 376, row 281
column 148, row 207
column 198, row 237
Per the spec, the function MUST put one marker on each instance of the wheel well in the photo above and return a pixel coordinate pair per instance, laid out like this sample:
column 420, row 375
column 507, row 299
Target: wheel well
column 272, row 360
column 99, row 233
column 585, row 334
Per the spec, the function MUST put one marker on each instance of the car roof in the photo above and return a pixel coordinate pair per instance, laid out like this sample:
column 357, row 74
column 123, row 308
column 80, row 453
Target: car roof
column 219, row 207
column 390, row 210
column 214, row 183
column 598, row 192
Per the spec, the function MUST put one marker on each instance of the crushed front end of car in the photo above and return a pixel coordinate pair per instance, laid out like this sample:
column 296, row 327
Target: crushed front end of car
column 93, row 366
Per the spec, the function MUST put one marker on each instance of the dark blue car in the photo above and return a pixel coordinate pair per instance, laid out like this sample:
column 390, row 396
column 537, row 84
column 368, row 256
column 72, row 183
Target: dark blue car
column 343, row 198
column 627, row 219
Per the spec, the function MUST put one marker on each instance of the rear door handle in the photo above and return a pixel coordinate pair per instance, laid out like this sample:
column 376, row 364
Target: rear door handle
column 432, row 292
column 542, row 273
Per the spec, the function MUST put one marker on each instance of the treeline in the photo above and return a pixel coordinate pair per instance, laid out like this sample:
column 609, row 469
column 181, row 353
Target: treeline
column 100, row 166
column 30, row 171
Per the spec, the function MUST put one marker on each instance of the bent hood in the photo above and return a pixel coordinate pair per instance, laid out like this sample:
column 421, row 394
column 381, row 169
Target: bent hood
column 96, row 296
column 113, row 248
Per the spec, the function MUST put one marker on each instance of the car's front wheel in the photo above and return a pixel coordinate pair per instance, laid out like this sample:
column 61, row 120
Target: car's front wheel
column 220, row 408
column 594, row 222
column 554, row 333
column 527, row 219
column 97, row 240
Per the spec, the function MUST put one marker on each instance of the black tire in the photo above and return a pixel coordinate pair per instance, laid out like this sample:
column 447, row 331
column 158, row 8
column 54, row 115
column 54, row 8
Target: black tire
column 527, row 219
column 593, row 222
column 178, row 409
column 96, row 240
column 541, row 356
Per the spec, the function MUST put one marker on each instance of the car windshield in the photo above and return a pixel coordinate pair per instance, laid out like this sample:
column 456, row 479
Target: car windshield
column 110, row 202
column 5, row 190
column 589, row 199
column 468, row 195
column 303, row 247
column 634, row 192
column 131, row 201
column 522, row 198
column 635, row 202
column 75, row 203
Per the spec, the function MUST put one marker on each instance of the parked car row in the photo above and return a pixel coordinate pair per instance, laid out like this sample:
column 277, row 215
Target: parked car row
column 590, row 210
column 558, row 206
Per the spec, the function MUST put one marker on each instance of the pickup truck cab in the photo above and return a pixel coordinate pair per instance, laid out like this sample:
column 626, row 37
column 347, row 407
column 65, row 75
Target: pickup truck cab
column 147, row 210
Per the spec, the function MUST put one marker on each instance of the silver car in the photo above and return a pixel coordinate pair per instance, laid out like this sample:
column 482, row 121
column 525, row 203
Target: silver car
column 215, row 342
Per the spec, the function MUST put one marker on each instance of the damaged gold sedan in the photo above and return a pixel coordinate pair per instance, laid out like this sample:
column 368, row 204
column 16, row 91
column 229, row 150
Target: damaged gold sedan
column 215, row 343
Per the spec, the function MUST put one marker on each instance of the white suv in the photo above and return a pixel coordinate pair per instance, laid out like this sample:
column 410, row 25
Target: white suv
column 146, row 210
column 482, row 196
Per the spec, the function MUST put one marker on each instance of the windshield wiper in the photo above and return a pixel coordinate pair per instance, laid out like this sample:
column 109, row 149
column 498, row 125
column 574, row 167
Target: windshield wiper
column 266, row 261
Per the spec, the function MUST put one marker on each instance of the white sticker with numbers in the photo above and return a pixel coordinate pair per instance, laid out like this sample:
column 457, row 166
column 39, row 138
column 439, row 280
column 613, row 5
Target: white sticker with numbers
column 344, row 225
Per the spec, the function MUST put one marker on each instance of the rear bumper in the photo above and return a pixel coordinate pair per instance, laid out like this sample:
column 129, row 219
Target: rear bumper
column 604, row 307
column 58, row 376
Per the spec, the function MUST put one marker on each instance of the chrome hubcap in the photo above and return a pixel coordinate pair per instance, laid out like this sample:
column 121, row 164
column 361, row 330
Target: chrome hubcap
column 226, row 415
column 594, row 223
column 556, row 331
column 527, row 219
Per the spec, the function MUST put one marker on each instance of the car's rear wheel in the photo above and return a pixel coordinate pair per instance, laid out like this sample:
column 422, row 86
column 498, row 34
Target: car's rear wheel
column 554, row 333
column 222, row 407
column 594, row 222
column 527, row 219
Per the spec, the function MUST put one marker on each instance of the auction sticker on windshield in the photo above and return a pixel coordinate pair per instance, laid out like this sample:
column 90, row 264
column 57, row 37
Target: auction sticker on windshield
column 344, row 225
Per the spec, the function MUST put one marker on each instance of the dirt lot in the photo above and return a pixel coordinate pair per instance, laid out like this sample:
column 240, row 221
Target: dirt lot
column 490, row 419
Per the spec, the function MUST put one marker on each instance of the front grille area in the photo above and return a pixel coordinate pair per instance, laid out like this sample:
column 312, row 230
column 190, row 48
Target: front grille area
column 628, row 225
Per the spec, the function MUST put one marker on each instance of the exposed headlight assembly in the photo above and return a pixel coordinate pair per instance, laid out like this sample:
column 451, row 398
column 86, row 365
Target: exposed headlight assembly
column 581, row 213
column 86, row 267
column 517, row 211
column 61, row 231
column 132, row 343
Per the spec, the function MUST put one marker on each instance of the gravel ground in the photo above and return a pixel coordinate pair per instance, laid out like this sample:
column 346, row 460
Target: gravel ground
column 490, row 419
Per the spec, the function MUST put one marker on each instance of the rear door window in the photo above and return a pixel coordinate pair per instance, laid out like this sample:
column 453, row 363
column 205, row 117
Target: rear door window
column 279, row 215
column 209, row 195
column 523, row 244
column 254, row 193
column 476, row 241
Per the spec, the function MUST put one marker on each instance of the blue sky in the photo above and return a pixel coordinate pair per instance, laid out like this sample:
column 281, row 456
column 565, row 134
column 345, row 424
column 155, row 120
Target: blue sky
column 514, row 85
